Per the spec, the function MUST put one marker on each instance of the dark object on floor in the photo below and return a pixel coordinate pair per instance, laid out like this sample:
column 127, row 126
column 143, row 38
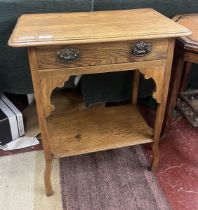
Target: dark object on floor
column 19, row 100
column 17, row 113
column 186, row 53
column 8, row 124
column 187, row 103
column 115, row 179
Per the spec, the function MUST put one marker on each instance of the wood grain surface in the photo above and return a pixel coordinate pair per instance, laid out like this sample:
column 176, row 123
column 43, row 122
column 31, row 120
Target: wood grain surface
column 92, row 27
column 162, row 106
column 100, row 54
column 102, row 68
column 53, row 78
column 104, row 40
column 191, row 22
column 97, row 129
column 186, row 53
column 157, row 74
column 48, row 85
column 42, row 120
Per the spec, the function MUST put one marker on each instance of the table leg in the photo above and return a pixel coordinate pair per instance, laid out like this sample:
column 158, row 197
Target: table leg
column 174, row 86
column 162, row 105
column 47, row 175
column 157, row 132
column 186, row 71
column 135, row 86
column 42, row 119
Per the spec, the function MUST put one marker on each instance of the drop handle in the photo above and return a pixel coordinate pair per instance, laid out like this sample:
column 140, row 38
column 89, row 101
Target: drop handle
column 141, row 49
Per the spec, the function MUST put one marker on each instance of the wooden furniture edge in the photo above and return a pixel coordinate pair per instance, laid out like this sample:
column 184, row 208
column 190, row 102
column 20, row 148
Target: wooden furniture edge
column 42, row 119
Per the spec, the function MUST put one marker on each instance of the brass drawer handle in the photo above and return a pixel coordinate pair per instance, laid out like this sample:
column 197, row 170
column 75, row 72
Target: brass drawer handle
column 68, row 55
column 141, row 49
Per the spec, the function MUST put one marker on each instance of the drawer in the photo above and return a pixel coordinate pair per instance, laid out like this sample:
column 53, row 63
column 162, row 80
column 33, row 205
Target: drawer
column 84, row 55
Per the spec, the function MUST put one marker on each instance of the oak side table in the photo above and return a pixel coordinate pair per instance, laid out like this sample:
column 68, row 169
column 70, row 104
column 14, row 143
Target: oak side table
column 64, row 44
column 186, row 53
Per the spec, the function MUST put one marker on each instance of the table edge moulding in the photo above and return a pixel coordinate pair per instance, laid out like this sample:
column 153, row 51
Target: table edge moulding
column 188, row 43
column 141, row 40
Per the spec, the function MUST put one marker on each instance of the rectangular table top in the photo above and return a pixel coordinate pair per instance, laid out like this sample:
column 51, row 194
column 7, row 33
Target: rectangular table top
column 90, row 27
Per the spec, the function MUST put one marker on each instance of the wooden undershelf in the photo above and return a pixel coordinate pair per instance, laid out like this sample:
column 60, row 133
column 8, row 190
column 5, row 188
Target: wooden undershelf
column 97, row 129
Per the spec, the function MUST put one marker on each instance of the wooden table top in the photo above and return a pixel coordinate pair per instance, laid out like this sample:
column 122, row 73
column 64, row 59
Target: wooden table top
column 90, row 27
column 191, row 22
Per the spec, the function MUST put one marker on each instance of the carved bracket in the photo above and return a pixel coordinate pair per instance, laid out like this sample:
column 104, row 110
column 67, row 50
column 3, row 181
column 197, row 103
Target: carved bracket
column 157, row 74
column 48, row 84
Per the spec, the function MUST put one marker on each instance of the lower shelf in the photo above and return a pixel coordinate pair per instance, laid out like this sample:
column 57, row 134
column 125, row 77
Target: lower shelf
column 97, row 129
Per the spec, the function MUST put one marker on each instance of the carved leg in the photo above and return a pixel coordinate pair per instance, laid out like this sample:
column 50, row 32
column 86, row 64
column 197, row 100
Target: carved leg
column 135, row 86
column 48, row 84
column 155, row 160
column 157, row 133
column 161, row 77
column 42, row 110
column 158, row 76
column 47, row 175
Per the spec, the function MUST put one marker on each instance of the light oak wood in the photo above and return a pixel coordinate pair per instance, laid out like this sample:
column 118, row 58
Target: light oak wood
column 42, row 120
column 67, row 101
column 93, row 27
column 104, row 40
column 103, row 68
column 97, row 129
column 162, row 106
column 47, row 86
column 100, row 54
column 50, row 79
column 157, row 74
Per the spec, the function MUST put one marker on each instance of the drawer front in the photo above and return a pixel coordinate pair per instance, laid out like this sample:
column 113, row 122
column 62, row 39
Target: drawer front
column 84, row 55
